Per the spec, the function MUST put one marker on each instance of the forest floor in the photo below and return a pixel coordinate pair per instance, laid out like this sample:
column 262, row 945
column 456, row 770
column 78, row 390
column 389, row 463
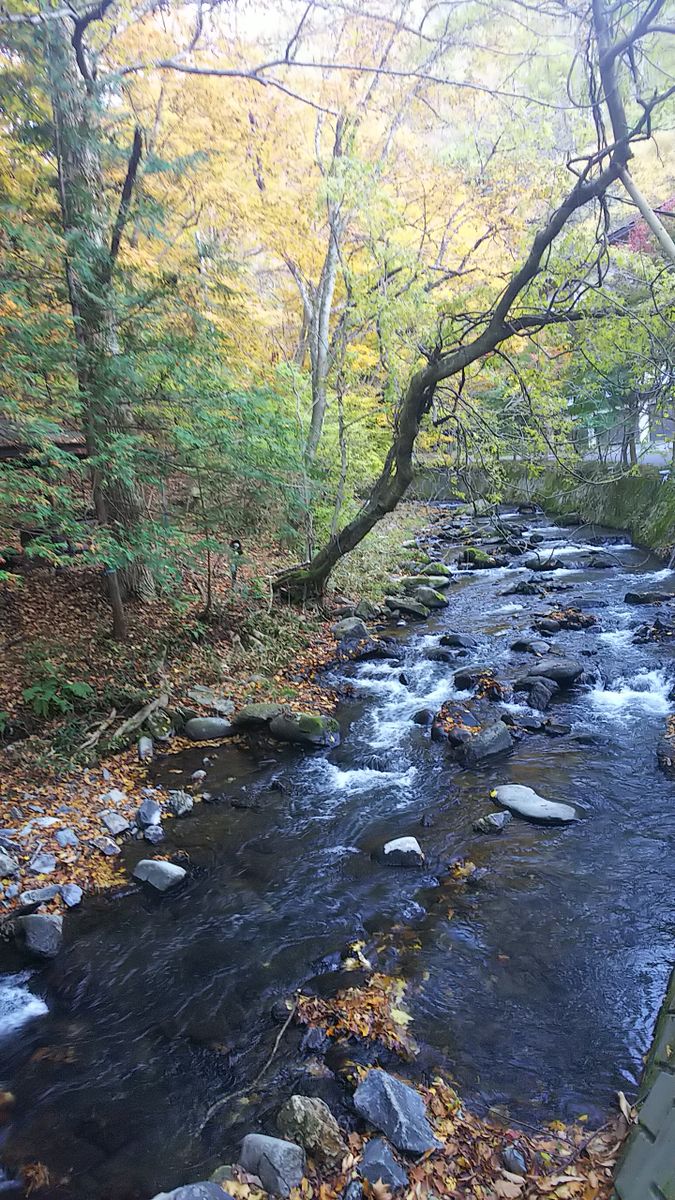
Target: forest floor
column 66, row 685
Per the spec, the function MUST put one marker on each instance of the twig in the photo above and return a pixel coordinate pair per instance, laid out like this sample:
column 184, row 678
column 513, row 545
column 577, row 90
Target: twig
column 249, row 1087
column 96, row 733
column 139, row 717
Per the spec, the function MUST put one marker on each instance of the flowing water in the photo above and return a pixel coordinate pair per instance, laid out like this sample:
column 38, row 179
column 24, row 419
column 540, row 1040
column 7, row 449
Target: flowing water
column 535, row 987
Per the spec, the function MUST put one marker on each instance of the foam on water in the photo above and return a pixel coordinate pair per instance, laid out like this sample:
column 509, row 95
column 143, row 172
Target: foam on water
column 618, row 639
column 646, row 691
column 17, row 1003
column 361, row 779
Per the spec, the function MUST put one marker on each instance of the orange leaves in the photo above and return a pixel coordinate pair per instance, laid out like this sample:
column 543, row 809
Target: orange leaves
column 373, row 1012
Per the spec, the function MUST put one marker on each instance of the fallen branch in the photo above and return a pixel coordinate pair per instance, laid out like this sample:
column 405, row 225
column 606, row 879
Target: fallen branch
column 250, row 1086
column 95, row 736
column 142, row 715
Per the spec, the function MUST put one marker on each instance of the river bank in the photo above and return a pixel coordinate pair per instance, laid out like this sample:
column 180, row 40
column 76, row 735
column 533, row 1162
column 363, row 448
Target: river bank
column 162, row 1005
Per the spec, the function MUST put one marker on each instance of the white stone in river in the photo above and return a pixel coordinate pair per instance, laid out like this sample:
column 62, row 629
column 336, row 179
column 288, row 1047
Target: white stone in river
column 403, row 851
column 526, row 803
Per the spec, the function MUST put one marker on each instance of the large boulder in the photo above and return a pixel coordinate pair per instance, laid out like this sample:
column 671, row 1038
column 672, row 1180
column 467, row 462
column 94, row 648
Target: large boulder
column 397, row 1110
column 207, row 729
column 409, row 608
column 526, row 803
column 42, row 933
column 402, row 852
column 648, row 597
column 279, row 1165
column 541, row 693
column 305, row 729
column 489, row 742
column 309, row 1122
column 563, row 671
column 435, row 569
column 430, row 598
column 148, row 813
column 257, row 716
column 179, row 803
column 350, row 629
column 378, row 1163
column 159, row 874
column 462, row 641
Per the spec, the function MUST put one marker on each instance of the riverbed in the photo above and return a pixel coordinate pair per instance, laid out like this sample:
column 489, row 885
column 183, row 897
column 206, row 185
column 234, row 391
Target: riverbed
column 534, row 986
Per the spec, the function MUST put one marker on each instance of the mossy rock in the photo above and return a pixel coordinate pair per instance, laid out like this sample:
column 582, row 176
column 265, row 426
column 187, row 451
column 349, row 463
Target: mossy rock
column 479, row 558
column 436, row 568
column 430, row 598
column 305, row 729
column 257, row 716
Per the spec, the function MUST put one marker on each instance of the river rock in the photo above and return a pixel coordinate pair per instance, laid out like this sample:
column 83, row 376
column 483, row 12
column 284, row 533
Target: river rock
column 430, row 597
column 42, row 933
column 279, row 1165
column 71, row 894
column 159, row 874
column 469, row 677
column 207, row 697
column 66, row 837
column 154, row 834
column 435, row 569
column 106, row 846
column 462, row 641
column 366, row 610
column 402, row 852
column 531, row 645
column 397, row 1110
column 411, row 608
column 207, row 729
column 353, row 1191
column 309, row 1122
column 257, row 716
column 114, row 822
column 179, row 803
column 442, row 656
column 145, row 748
column 648, row 597
column 42, row 864
column 544, row 564
column 494, row 822
column 541, row 692
column 489, row 742
column 149, row 813
column 350, row 629
column 40, row 895
column 195, row 1191
column 9, row 867
column 423, row 716
column 378, row 1163
column 306, row 729
column 526, row 803
column 563, row 671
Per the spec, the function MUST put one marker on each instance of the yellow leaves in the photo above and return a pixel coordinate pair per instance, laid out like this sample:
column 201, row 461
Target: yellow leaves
column 629, row 1112
column 373, row 1012
column 506, row 1189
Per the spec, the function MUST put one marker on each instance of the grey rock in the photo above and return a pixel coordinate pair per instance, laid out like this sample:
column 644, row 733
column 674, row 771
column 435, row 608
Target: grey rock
column 493, row 822
column 463, row 641
column 490, row 741
column 114, row 796
column 397, row 1110
column 9, row 867
column 114, row 822
column 514, row 1160
column 106, row 846
column 365, row 610
column 195, row 1191
column 402, row 852
column 350, row 629
column 149, row 813
column 159, row 874
column 42, row 933
column 197, row 776
column 439, row 655
column 179, row 803
column 208, row 698
column 542, row 692
column 305, row 729
column 279, row 1165
column 40, row 895
column 42, row 864
column 309, row 1122
column 67, row 837
column 145, row 749
column 563, row 671
column 531, row 645
column 436, row 569
column 526, row 803
column 411, row 608
column 206, row 729
column 378, row 1162
column 423, row 716
column 353, row 1191
column 153, row 834
column 469, row 677
column 159, row 725
column 71, row 894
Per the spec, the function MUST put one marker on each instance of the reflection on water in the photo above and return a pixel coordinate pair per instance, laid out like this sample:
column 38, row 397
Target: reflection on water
column 536, row 988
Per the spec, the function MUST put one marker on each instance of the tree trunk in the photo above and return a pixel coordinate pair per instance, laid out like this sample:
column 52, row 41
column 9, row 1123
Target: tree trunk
column 89, row 266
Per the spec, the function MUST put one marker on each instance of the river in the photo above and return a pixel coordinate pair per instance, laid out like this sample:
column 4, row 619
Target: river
column 535, row 988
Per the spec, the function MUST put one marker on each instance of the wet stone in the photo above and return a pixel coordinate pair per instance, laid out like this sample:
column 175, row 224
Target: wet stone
column 72, row 894
column 42, row 864
column 149, row 813
column 153, row 834
column 494, row 822
column 42, row 933
column 397, row 1110
column 279, row 1165
column 114, row 822
column 106, row 846
column 8, row 865
column 66, row 837
column 378, row 1163
column 179, row 803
